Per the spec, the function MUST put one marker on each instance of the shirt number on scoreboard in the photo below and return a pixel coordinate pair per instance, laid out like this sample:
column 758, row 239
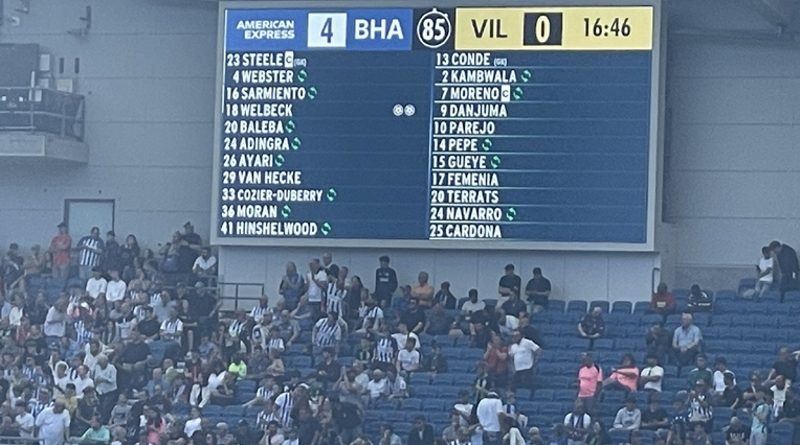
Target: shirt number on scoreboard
column 327, row 30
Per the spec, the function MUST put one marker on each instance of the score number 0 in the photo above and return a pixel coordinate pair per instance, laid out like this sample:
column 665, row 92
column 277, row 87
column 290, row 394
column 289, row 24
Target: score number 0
column 327, row 30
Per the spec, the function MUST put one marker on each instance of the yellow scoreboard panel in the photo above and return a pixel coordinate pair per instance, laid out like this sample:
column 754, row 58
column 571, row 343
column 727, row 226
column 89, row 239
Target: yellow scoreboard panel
column 568, row 28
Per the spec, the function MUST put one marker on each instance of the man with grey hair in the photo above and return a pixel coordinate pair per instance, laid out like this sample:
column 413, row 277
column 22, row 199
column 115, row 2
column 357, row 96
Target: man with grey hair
column 52, row 424
column 686, row 341
column 105, row 380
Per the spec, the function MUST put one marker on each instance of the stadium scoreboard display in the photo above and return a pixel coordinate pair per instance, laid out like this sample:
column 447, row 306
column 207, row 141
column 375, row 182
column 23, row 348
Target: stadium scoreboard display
column 449, row 126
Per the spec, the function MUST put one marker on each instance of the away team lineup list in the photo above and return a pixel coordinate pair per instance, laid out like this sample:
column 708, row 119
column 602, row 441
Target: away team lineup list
column 435, row 124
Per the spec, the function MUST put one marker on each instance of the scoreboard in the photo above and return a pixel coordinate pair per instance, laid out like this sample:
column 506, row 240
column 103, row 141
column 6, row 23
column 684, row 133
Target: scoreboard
column 514, row 127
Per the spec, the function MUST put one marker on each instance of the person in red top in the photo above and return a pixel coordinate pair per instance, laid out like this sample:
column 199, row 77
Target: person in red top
column 662, row 301
column 496, row 357
column 60, row 247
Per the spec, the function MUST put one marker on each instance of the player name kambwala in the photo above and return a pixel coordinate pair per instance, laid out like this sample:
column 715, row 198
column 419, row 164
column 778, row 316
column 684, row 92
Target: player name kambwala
column 465, row 179
column 474, row 110
column 276, row 228
column 272, row 93
column 264, row 110
column 276, row 195
column 489, row 231
column 494, row 214
column 480, row 76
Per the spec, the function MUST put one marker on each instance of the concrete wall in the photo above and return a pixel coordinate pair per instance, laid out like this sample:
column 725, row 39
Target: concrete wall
column 732, row 164
column 147, row 70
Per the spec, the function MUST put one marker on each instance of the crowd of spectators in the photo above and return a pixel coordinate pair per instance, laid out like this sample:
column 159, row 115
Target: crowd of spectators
column 134, row 349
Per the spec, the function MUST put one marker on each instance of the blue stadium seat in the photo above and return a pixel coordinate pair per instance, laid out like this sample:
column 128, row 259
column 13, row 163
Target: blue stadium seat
column 556, row 305
column 746, row 283
column 641, row 307
column 604, row 305
column 621, row 307
column 544, row 395
column 411, row 404
column 725, row 295
column 577, row 306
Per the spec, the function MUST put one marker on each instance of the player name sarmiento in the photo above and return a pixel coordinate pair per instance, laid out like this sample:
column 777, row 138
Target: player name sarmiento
column 270, row 93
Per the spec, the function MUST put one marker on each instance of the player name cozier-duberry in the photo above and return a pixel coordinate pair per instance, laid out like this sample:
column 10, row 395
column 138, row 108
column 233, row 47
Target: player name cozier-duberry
column 466, row 214
column 271, row 195
column 276, row 228
column 479, row 76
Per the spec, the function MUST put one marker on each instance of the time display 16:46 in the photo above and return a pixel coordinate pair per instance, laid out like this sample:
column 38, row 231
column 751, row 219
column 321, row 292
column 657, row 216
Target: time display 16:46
column 618, row 27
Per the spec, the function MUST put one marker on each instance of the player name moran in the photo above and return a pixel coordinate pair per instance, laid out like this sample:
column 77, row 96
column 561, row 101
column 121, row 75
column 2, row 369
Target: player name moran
column 480, row 76
column 272, row 93
column 255, row 143
column 466, row 231
column 256, row 211
column 276, row 228
column 494, row 214
column 276, row 195
column 465, row 179
column 475, row 110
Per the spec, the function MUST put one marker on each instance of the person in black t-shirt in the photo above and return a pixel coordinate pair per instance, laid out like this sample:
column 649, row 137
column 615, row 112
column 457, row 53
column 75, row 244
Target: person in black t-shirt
column 678, row 422
column 414, row 318
column 385, row 282
column 654, row 417
column 731, row 396
column 592, row 325
column 347, row 418
column 445, row 297
column 509, row 283
column 785, row 365
column 538, row 291
column 737, row 433
column 787, row 264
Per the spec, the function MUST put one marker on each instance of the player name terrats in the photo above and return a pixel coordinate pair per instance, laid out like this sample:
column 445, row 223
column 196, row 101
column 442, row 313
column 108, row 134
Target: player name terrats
column 474, row 110
column 273, row 195
column 465, row 197
column 466, row 213
column 479, row 76
column 276, row 228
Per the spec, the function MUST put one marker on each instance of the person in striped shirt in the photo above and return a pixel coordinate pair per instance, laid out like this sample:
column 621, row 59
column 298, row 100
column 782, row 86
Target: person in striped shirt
column 336, row 292
column 385, row 355
column 260, row 309
column 327, row 333
column 90, row 250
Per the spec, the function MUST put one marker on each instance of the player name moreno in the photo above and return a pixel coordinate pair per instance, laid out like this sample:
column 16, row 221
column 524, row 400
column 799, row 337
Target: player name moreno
column 276, row 228
column 483, row 93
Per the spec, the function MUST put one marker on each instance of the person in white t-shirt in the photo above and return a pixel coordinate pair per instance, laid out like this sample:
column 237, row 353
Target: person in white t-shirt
column 116, row 288
column 651, row 376
column 205, row 264
column 524, row 354
column 24, row 419
column 408, row 358
column 765, row 276
column 376, row 388
column 489, row 412
column 317, row 281
column 97, row 284
column 472, row 305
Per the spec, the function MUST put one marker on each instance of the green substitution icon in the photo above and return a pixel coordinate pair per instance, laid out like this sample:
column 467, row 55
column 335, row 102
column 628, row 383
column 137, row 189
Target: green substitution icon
column 495, row 161
column 290, row 126
column 302, row 75
column 511, row 213
column 518, row 93
column 325, row 229
column 286, row 211
column 332, row 194
column 279, row 160
column 526, row 75
column 487, row 144
column 296, row 143
column 312, row 93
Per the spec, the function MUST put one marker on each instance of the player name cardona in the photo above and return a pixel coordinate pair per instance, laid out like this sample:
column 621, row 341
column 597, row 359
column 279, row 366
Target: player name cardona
column 482, row 76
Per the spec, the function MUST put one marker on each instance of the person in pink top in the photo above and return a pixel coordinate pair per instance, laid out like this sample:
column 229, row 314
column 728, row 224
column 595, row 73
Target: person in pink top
column 590, row 379
column 60, row 246
column 625, row 377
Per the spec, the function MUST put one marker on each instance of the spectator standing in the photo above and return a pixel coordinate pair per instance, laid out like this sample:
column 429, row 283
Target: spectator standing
column 327, row 333
column 538, row 291
column 445, row 297
column 488, row 412
column 317, row 282
column 787, row 265
column 90, row 250
column 60, row 247
column 385, row 282
column 686, row 341
column 509, row 283
column 732, row 395
column 53, row 424
column 347, row 418
column 524, row 355
column 112, row 253
column 590, row 381
column 761, row 417
column 496, row 358
column 721, row 366
column 423, row 291
column 592, row 325
column 659, row 342
column 514, row 306
column 662, row 302
column 291, row 287
column 785, row 365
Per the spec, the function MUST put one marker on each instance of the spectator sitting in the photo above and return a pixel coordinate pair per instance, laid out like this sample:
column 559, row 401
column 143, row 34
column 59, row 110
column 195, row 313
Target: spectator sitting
column 96, row 285
column 764, row 275
column 749, row 393
column 439, row 321
column 598, row 434
column 472, row 305
column 629, row 417
column 625, row 377
column 388, row 436
column 592, row 325
column 662, row 301
column 659, row 342
column 698, row 436
column 538, row 291
column 414, row 318
column 732, row 395
column 408, row 358
column 700, row 411
column 721, row 366
column 205, row 265
column 444, row 297
column 577, row 424
column 699, row 301
column 514, row 306
column 651, row 375
column 97, row 432
column 450, row 432
column 654, row 418
column 376, row 388
column 686, row 341
column 396, row 387
column 737, row 433
column 701, row 372
column 423, row 291
column 403, row 335
column 401, row 299
column 421, row 433
column 779, row 390
column 371, row 316
column 435, row 362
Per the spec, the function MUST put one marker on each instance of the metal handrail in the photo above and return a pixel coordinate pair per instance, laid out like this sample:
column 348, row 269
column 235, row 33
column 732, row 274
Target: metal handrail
column 39, row 107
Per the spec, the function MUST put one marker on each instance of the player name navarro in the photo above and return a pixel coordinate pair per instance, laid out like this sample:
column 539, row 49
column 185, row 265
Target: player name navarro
column 493, row 214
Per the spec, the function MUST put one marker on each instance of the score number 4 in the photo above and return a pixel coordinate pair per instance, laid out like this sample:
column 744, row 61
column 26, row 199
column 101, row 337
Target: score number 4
column 327, row 30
